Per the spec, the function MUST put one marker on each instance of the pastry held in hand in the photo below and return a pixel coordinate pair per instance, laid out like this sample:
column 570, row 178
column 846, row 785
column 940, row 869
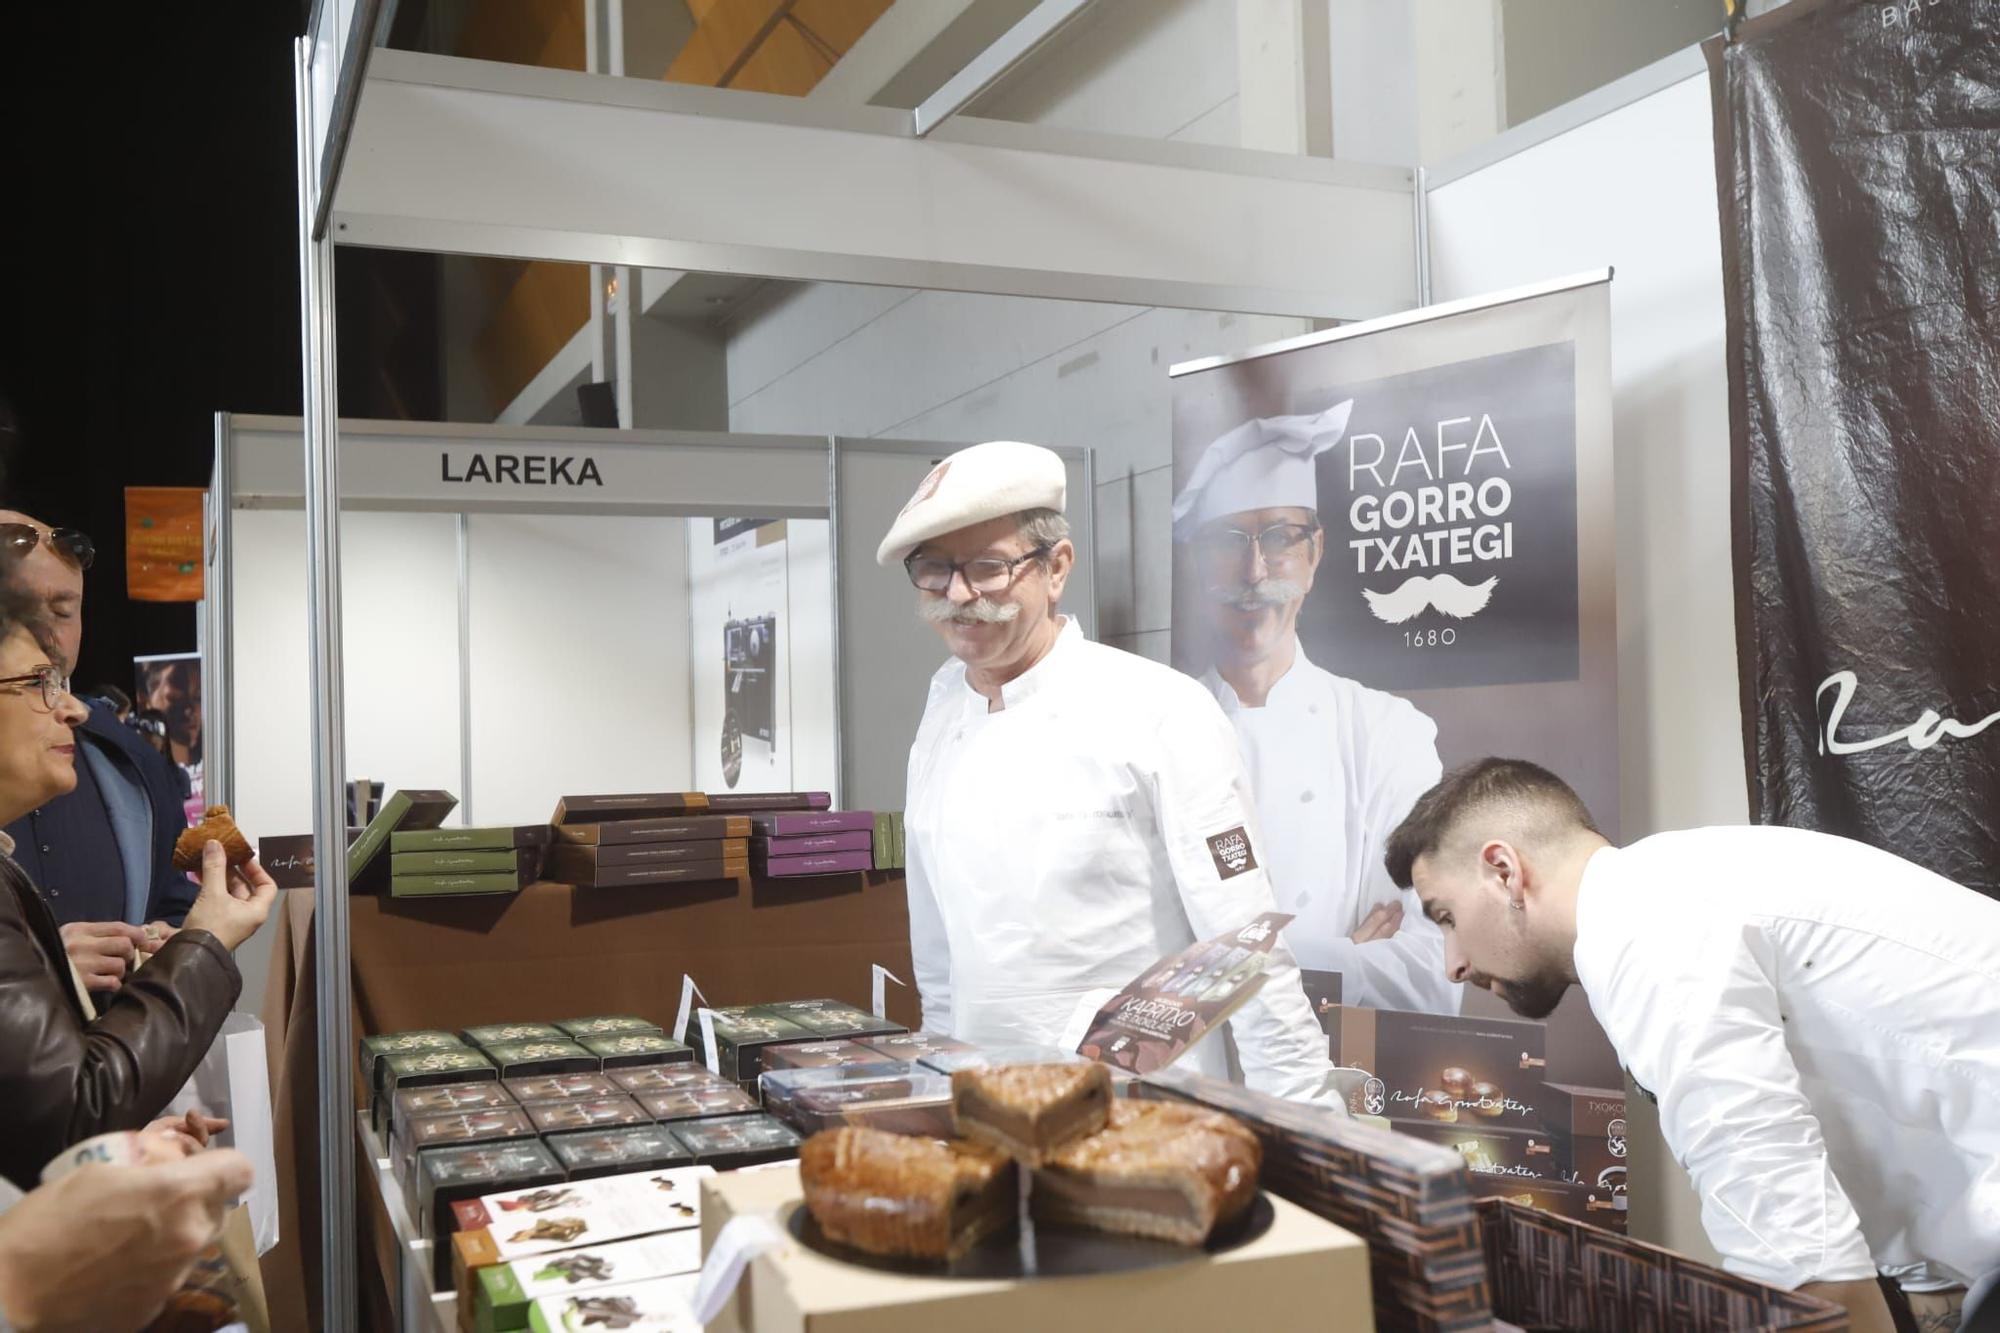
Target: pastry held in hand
column 1160, row 1169
column 215, row 826
column 906, row 1197
column 1028, row 1111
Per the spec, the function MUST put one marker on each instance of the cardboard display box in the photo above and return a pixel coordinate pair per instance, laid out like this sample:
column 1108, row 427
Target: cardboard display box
column 1302, row 1274
column 1577, row 1202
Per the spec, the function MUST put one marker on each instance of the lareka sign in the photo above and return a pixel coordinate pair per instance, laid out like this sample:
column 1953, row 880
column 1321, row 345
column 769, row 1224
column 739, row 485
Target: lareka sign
column 519, row 469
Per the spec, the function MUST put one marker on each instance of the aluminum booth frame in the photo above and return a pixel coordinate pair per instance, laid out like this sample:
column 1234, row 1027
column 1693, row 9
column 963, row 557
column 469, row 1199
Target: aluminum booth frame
column 410, row 151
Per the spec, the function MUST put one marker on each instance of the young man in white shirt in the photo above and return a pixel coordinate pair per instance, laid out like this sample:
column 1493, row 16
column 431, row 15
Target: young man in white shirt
column 1818, row 1019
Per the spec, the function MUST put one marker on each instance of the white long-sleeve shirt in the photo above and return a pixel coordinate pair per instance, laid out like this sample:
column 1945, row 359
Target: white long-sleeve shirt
column 1060, row 847
column 1820, row 1022
column 1334, row 767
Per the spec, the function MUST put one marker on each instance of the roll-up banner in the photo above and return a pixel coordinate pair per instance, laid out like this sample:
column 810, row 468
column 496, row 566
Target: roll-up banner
column 1857, row 155
column 1393, row 553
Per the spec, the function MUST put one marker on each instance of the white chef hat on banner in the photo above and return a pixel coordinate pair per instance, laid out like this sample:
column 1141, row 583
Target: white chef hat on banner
column 1265, row 463
column 973, row 486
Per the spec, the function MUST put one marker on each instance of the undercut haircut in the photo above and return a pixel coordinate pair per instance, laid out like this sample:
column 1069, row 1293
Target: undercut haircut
column 1523, row 797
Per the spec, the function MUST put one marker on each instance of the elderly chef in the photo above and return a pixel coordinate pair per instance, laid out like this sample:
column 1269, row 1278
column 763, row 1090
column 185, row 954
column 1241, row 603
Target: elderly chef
column 1333, row 764
column 1819, row 1021
column 1075, row 813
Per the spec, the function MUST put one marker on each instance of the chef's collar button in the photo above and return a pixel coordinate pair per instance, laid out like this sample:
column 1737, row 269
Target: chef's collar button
column 1304, row 797
column 1312, row 708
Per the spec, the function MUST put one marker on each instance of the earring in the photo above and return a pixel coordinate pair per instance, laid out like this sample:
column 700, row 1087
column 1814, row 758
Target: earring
column 1518, row 907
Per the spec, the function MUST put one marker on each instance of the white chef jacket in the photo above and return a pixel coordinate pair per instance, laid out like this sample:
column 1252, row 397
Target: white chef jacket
column 1059, row 847
column 1820, row 1021
column 1335, row 766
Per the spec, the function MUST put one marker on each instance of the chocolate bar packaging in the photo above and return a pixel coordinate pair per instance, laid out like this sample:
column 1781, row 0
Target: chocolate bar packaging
column 821, row 1055
column 825, row 863
column 560, row 1087
column 694, row 1103
column 816, row 844
column 912, row 1046
column 666, row 1078
column 427, row 1069
column 689, row 828
column 589, row 1153
column 660, row 1306
column 1442, row 1069
column 679, row 804
column 896, row 1100
column 445, row 1129
column 502, row 1034
column 447, row 1175
column 403, row 885
column 1586, row 1113
column 525, row 1223
column 804, row 823
column 742, row 1033
column 455, row 861
column 414, row 1102
column 739, row 1141
column 1526, row 1154
column 588, row 859
column 626, row 1049
column 504, row 1293
column 605, row 1025
column 1176, row 1001
column 397, row 1043
column 566, row 866
column 831, row 1018
column 595, row 1113
column 505, row 838
column 522, row 1059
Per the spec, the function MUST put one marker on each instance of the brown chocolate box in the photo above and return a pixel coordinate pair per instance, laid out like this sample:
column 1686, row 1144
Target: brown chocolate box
column 684, row 828
column 1579, row 1203
column 1488, row 1150
column 603, row 858
column 1584, row 1112
column 1446, row 1069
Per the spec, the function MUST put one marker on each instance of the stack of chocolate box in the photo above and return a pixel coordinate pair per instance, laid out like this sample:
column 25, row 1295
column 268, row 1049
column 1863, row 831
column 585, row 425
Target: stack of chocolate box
column 447, row 862
column 658, row 838
column 1478, row 1085
column 813, row 842
column 744, row 1034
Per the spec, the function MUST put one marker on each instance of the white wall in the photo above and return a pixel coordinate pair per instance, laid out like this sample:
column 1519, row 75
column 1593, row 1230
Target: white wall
column 1636, row 190
column 579, row 652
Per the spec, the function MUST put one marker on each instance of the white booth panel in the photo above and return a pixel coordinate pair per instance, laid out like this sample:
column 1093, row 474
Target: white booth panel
column 781, row 571
column 579, row 679
column 399, row 632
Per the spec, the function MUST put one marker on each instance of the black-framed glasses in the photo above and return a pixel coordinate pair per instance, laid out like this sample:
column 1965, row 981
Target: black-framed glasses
column 989, row 573
column 53, row 682
column 1229, row 548
column 18, row 539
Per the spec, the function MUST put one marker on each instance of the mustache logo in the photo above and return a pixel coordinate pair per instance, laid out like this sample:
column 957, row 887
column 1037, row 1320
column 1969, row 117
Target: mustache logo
column 1447, row 594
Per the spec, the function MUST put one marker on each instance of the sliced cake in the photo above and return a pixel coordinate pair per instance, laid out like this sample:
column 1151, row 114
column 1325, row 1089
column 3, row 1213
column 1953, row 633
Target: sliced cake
column 1028, row 1111
column 906, row 1197
column 1159, row 1169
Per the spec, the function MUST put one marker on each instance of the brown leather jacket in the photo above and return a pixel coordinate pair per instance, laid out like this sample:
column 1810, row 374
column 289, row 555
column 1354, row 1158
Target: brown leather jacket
column 64, row 1078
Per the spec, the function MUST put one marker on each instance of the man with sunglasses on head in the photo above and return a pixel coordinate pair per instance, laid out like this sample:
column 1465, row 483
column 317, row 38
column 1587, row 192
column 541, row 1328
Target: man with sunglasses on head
column 1334, row 765
column 1074, row 813
column 103, row 853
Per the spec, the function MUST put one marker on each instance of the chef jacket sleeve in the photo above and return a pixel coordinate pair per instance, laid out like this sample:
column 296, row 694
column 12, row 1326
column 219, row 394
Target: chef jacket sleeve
column 1202, row 798
column 930, row 947
column 1406, row 970
column 1712, row 1043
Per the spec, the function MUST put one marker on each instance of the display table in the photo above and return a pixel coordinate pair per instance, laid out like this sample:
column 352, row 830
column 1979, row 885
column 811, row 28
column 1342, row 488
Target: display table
column 548, row 952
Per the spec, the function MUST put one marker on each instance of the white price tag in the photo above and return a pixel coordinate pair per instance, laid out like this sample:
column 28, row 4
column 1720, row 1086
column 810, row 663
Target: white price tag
column 688, row 993
column 882, row 976
column 742, row 1240
column 708, row 1039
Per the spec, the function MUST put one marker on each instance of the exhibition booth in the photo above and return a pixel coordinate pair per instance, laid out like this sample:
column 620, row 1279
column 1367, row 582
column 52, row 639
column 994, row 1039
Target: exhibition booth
column 695, row 622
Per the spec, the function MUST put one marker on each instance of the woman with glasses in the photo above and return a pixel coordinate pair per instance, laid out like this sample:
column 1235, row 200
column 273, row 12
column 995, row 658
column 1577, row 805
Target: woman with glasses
column 66, row 1071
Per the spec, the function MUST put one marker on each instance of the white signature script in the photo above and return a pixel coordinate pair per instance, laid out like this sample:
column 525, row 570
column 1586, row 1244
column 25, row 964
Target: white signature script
column 1929, row 728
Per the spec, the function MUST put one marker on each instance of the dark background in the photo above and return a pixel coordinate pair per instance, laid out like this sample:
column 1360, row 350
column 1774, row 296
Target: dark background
column 151, row 257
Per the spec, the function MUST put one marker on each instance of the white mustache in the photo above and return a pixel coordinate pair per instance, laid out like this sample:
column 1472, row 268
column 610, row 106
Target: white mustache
column 1442, row 591
column 979, row 611
column 1266, row 592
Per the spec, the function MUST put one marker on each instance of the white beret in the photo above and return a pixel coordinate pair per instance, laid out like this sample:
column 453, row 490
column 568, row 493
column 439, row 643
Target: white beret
column 1265, row 463
column 973, row 486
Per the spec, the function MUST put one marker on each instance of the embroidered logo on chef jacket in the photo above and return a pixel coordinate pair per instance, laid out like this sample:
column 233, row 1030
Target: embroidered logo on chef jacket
column 1231, row 850
column 927, row 487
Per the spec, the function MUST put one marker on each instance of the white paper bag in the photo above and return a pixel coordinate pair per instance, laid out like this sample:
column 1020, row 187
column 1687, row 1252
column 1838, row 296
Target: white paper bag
column 233, row 1081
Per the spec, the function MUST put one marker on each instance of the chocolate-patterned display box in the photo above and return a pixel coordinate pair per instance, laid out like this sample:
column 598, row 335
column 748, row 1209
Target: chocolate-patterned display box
column 503, row 1293
column 741, row 1035
column 694, row 1103
column 560, row 1087
column 831, row 1018
column 526, row 1059
column 414, row 1102
column 738, row 1141
column 506, row 1034
column 627, row 1050
column 1446, row 1069
column 660, row 1306
column 587, row 1154
column 1410, row 1200
column 1600, row 1207
column 666, row 1078
column 1550, row 1272
column 607, row 1025
column 426, row 1069
column 592, row 1113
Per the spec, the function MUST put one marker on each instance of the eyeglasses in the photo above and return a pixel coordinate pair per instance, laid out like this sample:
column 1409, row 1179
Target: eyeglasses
column 55, row 685
column 987, row 574
column 18, row 540
column 1229, row 548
